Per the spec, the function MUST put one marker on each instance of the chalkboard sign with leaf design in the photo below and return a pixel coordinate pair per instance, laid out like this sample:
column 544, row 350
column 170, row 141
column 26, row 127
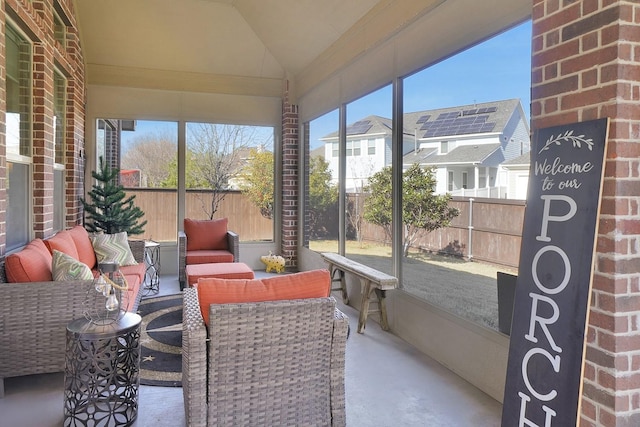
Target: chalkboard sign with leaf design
column 543, row 384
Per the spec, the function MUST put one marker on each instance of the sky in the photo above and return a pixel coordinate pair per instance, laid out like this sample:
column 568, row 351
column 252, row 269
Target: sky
column 497, row 69
column 170, row 130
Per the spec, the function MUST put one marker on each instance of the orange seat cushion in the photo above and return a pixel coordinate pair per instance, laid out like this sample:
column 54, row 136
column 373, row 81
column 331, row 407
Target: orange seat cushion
column 208, row 256
column 306, row 284
column 62, row 242
column 221, row 270
column 80, row 237
column 206, row 234
column 137, row 270
column 31, row 264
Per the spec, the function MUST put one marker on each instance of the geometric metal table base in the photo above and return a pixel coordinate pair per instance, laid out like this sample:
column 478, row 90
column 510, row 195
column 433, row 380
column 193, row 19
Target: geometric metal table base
column 152, row 274
column 102, row 365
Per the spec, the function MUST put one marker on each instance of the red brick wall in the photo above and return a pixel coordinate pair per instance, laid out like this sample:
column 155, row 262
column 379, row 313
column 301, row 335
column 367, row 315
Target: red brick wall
column 42, row 137
column 71, row 58
column 586, row 65
column 290, row 144
column 36, row 18
column 3, row 139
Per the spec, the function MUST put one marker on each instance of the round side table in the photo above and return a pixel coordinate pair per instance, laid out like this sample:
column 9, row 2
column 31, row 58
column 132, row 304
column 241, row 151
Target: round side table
column 101, row 378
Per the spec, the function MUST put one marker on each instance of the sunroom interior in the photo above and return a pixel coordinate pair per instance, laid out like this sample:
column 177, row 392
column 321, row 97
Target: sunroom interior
column 259, row 63
column 250, row 62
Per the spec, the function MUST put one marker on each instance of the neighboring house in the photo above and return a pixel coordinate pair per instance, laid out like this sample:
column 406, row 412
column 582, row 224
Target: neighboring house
column 368, row 150
column 466, row 145
column 241, row 158
column 516, row 175
column 131, row 178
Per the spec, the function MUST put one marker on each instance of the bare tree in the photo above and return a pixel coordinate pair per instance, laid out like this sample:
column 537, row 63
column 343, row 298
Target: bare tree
column 360, row 173
column 153, row 155
column 219, row 153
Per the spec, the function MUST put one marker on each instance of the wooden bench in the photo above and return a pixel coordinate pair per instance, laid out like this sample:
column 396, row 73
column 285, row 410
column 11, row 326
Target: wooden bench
column 371, row 280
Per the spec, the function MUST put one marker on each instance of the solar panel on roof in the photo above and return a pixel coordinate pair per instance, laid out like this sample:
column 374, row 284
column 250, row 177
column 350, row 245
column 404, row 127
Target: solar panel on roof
column 423, row 119
column 483, row 110
column 359, row 127
column 453, row 123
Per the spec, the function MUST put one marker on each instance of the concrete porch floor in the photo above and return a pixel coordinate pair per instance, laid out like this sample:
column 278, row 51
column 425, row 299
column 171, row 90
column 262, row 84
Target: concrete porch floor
column 388, row 383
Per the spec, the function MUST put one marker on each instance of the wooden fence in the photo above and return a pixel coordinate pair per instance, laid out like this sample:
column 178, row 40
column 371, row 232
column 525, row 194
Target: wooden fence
column 161, row 210
column 488, row 230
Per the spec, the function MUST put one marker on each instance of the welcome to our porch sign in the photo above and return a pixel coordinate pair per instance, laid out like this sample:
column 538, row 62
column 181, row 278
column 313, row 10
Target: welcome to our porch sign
column 544, row 370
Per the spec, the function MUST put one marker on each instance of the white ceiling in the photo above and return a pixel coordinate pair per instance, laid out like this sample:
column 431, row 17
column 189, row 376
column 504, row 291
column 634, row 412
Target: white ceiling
column 249, row 38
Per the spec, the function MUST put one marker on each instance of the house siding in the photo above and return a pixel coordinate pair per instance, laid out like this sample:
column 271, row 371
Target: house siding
column 515, row 136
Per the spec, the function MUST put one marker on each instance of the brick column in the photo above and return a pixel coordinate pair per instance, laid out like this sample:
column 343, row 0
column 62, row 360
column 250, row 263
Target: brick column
column 75, row 113
column 3, row 133
column 43, row 141
column 290, row 144
column 586, row 65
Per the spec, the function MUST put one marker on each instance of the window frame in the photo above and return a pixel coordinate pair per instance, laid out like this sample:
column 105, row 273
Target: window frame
column 444, row 147
column 353, row 148
column 25, row 141
column 371, row 147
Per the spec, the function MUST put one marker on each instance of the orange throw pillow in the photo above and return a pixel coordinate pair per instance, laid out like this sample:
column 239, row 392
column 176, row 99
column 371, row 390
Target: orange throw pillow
column 306, row 284
column 206, row 234
column 62, row 242
column 31, row 264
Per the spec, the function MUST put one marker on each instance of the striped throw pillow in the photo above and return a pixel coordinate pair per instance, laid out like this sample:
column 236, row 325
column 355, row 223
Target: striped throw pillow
column 65, row 267
column 113, row 248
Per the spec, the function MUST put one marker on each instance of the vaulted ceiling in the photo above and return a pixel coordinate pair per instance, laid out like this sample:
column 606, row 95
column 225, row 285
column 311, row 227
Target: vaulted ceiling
column 250, row 46
column 258, row 39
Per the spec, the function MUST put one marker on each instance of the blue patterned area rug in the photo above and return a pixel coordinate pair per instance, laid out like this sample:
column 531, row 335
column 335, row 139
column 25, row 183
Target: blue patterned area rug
column 161, row 341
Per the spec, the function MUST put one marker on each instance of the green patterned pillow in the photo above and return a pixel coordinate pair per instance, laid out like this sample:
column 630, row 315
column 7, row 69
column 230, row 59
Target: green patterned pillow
column 65, row 267
column 113, row 248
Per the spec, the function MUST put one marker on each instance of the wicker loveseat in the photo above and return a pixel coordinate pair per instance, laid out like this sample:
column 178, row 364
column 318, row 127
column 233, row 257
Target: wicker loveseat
column 34, row 316
column 278, row 362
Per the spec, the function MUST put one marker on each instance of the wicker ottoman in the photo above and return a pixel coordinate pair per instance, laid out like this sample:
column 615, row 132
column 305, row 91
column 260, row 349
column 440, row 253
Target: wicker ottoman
column 221, row 270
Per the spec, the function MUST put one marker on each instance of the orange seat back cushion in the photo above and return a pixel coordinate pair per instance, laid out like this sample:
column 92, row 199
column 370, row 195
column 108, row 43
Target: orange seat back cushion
column 63, row 242
column 86, row 253
column 306, row 284
column 31, row 264
column 206, row 234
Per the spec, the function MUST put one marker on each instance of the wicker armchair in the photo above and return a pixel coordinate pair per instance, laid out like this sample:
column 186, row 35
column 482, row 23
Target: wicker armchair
column 268, row 363
column 233, row 242
column 34, row 318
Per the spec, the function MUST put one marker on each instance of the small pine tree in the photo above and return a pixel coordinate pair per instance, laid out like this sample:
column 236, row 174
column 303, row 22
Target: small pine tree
column 110, row 212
